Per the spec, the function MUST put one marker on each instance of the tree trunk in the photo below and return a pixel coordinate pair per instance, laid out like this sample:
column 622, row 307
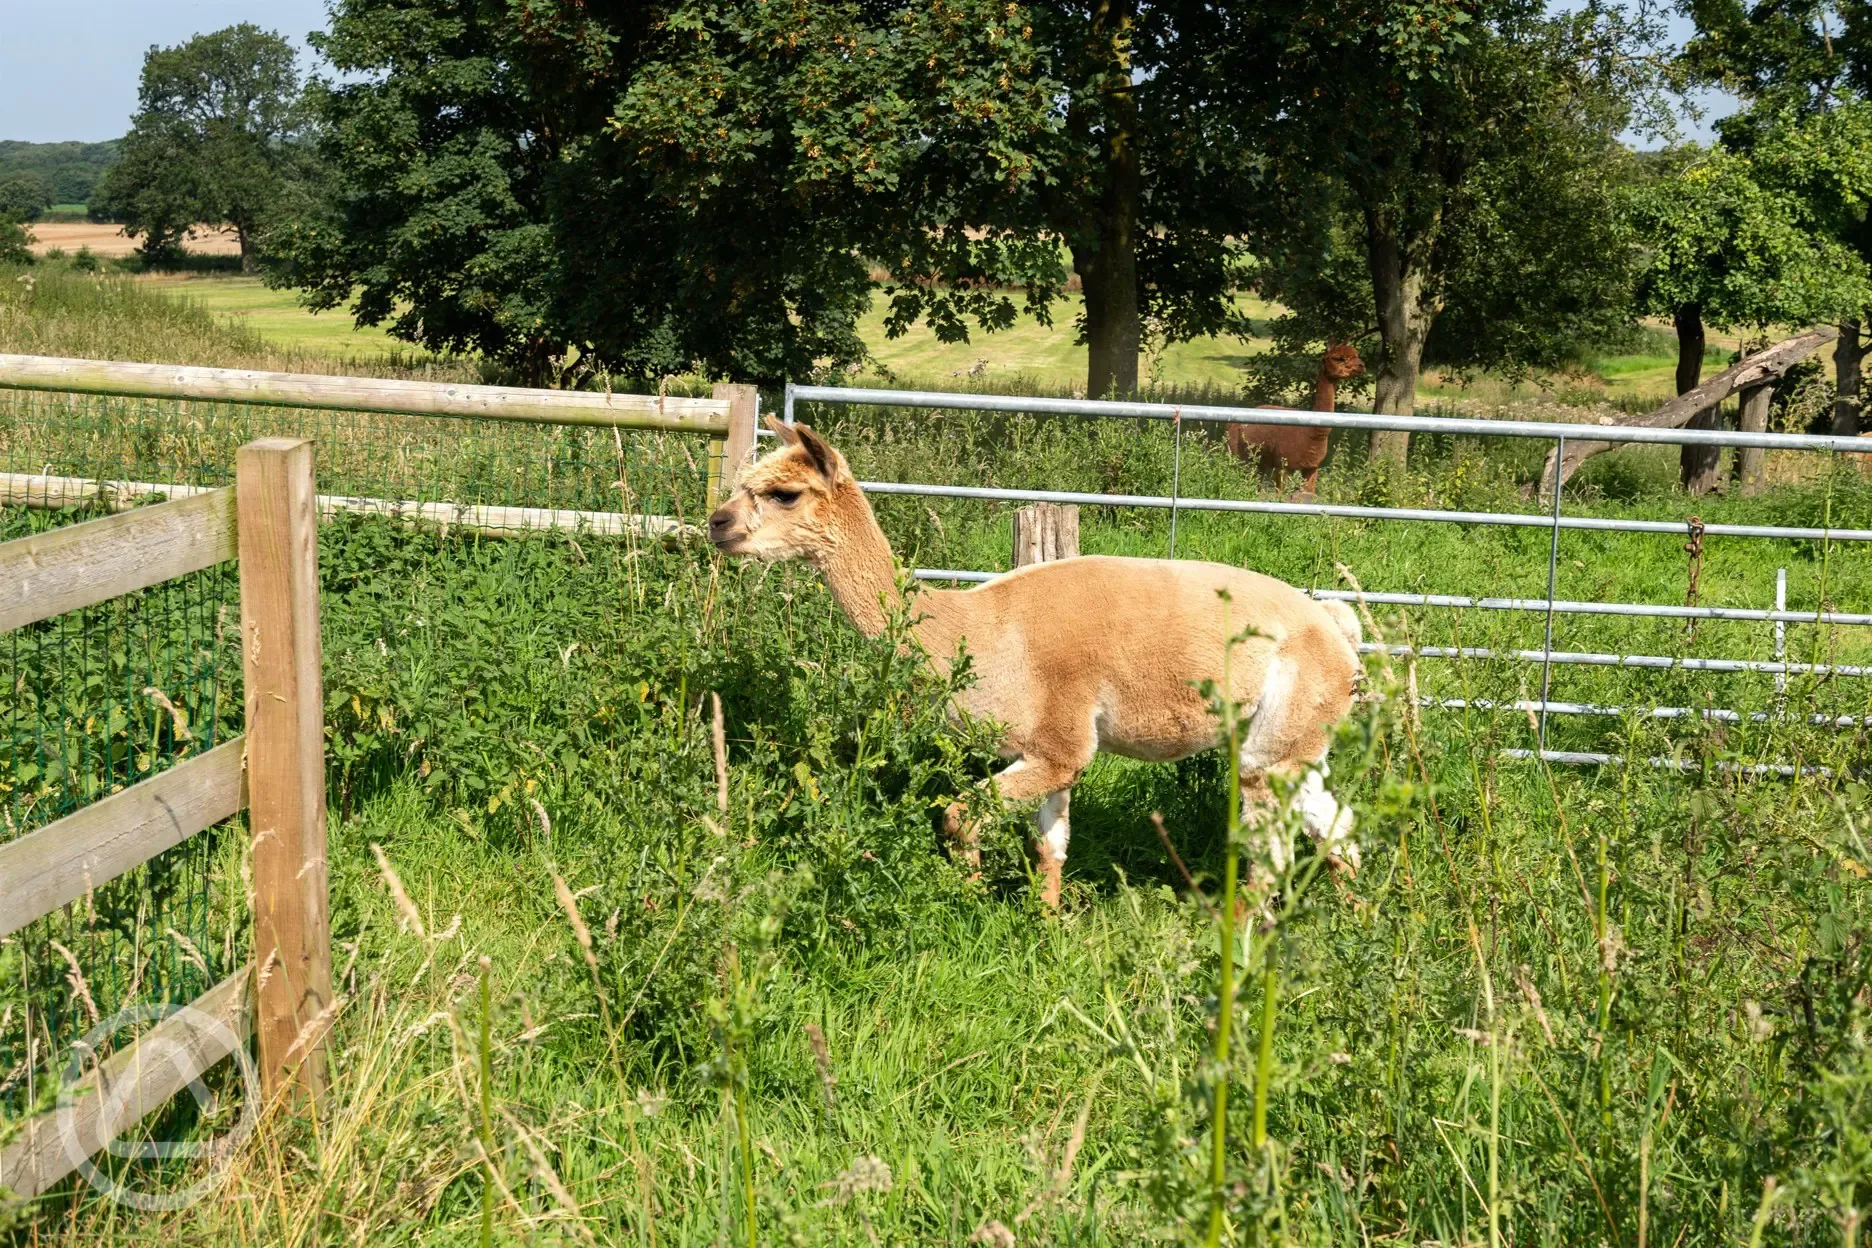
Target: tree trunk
column 1754, row 420
column 246, row 249
column 1847, row 357
column 1696, row 465
column 1107, row 263
column 1404, row 320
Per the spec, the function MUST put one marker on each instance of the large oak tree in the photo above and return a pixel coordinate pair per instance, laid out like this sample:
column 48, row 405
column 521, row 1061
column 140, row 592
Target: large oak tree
column 215, row 139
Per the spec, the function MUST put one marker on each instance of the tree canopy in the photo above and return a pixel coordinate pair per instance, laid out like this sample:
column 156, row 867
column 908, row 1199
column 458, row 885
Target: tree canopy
column 24, row 196
column 1465, row 151
column 1800, row 61
column 215, row 140
column 671, row 187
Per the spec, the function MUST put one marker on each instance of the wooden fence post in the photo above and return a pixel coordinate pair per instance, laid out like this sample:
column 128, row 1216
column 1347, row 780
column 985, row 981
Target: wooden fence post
column 1045, row 532
column 277, row 512
column 729, row 455
column 1754, row 419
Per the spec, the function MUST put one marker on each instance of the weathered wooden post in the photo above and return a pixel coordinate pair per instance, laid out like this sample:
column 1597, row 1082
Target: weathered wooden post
column 1045, row 532
column 730, row 454
column 1754, row 419
column 278, row 540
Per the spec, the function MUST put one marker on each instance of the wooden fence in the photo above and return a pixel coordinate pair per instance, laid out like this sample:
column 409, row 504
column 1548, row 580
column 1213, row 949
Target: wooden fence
column 728, row 419
column 268, row 521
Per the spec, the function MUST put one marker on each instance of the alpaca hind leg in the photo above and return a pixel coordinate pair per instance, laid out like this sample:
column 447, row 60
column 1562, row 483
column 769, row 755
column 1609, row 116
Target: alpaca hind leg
column 1325, row 820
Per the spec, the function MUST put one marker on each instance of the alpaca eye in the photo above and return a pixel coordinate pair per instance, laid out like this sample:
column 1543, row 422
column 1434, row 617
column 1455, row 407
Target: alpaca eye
column 786, row 498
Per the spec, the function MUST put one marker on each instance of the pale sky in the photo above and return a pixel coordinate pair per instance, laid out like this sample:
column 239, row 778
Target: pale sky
column 69, row 70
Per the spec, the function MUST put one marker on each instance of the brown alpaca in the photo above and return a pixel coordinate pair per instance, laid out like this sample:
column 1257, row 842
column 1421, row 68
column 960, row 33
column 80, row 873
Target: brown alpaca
column 1079, row 655
column 1294, row 448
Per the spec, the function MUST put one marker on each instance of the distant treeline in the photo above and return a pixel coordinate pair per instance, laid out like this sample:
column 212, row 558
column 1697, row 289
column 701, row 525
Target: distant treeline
column 55, row 173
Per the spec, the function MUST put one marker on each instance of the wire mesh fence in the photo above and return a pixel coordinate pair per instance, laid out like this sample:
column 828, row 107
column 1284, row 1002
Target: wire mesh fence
column 96, row 700
column 60, row 448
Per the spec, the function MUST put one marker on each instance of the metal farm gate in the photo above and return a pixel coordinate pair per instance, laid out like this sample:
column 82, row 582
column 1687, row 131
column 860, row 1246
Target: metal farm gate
column 1552, row 518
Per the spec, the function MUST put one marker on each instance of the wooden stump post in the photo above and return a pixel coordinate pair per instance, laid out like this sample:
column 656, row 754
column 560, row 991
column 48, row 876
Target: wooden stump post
column 1754, row 419
column 729, row 456
column 1700, row 467
column 1045, row 532
column 277, row 510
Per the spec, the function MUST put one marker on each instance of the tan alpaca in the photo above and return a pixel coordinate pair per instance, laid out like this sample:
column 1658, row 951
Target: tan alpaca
column 1079, row 655
column 1297, row 448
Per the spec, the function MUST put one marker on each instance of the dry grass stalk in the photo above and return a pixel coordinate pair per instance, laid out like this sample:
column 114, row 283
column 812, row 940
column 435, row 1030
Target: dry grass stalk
column 719, row 738
column 412, row 917
column 580, row 932
column 75, row 977
column 822, row 1057
column 176, row 717
column 1063, row 1176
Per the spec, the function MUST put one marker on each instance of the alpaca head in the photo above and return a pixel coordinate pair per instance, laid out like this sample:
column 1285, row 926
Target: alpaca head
column 794, row 504
column 1342, row 361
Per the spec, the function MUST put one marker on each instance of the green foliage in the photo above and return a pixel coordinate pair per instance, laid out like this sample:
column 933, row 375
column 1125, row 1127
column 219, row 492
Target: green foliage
column 737, row 169
column 216, row 138
column 1463, row 156
column 24, row 196
column 72, row 169
column 1734, row 236
column 15, row 243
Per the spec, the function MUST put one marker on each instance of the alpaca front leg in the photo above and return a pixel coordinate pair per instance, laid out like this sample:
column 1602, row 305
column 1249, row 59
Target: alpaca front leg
column 1055, row 829
column 1034, row 776
column 964, row 836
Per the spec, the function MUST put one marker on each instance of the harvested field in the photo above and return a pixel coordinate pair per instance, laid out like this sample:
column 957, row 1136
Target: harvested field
column 109, row 240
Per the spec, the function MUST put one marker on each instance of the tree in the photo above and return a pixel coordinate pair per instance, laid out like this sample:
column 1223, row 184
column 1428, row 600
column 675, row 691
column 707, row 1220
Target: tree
column 15, row 242
column 1534, row 262
column 743, row 166
column 1796, row 59
column 1413, row 121
column 1730, row 243
column 1087, row 134
column 670, row 187
column 216, row 139
column 24, row 196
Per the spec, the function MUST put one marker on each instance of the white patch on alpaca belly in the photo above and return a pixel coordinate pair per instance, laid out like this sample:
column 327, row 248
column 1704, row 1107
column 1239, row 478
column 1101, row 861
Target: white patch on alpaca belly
column 1262, row 748
column 1055, row 827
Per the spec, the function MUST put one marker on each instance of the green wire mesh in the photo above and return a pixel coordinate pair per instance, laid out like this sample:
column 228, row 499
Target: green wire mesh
column 95, row 700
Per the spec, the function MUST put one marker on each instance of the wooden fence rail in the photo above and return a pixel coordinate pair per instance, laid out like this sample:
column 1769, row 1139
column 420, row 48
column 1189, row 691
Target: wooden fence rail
column 366, row 394
column 268, row 520
column 727, row 418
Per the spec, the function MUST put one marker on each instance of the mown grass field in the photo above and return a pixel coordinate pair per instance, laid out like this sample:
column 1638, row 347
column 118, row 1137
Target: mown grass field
column 1028, row 354
column 1607, row 1006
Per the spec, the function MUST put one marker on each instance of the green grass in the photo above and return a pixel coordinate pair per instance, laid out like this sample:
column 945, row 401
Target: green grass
column 276, row 316
column 1559, row 1004
column 1028, row 355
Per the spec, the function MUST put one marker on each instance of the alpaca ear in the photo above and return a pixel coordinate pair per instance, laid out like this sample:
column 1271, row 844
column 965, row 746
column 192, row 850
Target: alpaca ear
column 824, row 458
column 781, row 429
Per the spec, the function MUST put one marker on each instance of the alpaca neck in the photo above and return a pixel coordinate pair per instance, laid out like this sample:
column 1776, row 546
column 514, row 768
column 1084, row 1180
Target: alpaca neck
column 1325, row 393
column 859, row 571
